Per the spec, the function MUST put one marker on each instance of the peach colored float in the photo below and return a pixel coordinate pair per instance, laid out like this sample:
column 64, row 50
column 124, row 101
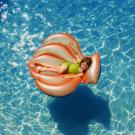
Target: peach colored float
column 55, row 50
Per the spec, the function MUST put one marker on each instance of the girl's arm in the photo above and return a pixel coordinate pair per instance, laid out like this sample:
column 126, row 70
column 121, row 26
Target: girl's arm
column 79, row 59
column 73, row 75
column 76, row 52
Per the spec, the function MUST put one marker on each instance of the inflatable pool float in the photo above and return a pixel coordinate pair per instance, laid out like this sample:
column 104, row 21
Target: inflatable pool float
column 55, row 50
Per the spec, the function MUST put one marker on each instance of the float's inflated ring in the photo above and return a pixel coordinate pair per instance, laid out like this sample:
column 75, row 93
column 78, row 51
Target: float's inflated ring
column 55, row 50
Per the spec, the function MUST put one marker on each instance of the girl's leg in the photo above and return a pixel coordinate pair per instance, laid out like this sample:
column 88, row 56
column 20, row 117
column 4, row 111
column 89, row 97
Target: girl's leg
column 38, row 68
column 49, row 69
column 58, row 69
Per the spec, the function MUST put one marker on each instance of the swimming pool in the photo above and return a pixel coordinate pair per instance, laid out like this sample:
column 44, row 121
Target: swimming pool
column 106, row 108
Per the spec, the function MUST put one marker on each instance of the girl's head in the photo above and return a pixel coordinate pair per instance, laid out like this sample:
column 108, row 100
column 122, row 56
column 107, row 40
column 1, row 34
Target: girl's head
column 85, row 63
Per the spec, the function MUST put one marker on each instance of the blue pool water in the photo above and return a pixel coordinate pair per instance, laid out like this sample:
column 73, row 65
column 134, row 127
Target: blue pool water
column 107, row 108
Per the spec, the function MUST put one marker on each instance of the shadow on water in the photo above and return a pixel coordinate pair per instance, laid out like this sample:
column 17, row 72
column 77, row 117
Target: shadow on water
column 3, row 6
column 73, row 113
column 2, row 2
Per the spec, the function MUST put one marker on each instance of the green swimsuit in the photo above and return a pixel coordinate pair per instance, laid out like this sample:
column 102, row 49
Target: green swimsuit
column 72, row 68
